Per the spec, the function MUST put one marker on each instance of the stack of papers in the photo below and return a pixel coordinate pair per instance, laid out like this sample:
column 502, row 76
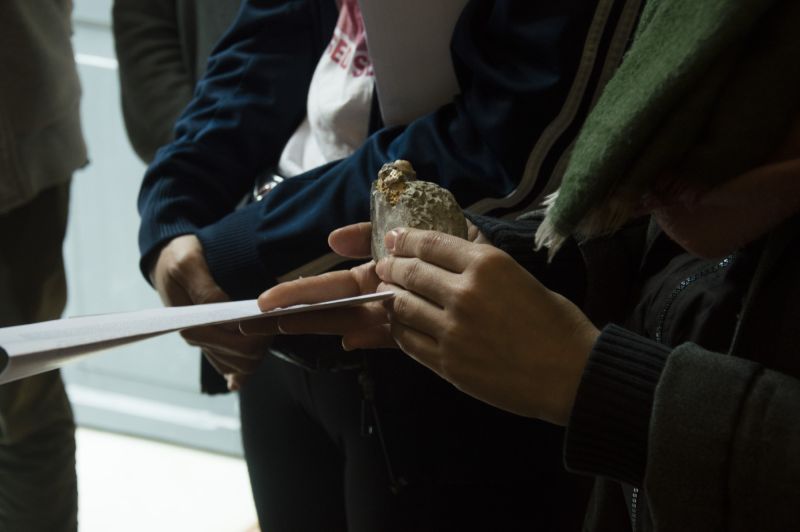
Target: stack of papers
column 27, row 350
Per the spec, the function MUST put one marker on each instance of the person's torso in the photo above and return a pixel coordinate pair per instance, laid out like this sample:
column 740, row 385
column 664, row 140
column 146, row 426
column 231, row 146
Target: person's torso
column 40, row 137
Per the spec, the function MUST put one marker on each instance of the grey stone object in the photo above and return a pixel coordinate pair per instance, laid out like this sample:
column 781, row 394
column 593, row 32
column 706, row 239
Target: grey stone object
column 398, row 199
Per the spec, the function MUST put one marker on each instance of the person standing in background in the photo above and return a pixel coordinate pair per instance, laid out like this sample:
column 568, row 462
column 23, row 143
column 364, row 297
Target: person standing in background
column 162, row 47
column 41, row 145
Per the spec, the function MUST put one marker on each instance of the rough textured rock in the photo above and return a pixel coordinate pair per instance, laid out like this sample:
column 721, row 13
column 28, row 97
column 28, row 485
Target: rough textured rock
column 400, row 200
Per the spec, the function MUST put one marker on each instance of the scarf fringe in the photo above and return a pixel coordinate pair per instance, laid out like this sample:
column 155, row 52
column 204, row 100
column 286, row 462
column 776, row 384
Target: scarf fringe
column 597, row 222
column 606, row 219
column 547, row 236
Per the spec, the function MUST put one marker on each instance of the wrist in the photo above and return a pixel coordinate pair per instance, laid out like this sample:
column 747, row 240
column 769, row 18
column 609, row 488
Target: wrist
column 230, row 250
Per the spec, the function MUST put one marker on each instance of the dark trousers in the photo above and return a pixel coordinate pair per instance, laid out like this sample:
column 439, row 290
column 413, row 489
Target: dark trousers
column 38, row 486
column 461, row 465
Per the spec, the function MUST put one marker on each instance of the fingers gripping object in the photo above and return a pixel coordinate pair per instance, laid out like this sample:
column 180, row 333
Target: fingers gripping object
column 400, row 200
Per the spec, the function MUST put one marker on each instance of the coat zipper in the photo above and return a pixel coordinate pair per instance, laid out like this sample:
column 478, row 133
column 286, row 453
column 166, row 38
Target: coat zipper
column 686, row 283
column 662, row 317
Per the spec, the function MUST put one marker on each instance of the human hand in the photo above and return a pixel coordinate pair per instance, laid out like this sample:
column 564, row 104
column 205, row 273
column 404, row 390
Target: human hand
column 360, row 326
column 182, row 277
column 474, row 316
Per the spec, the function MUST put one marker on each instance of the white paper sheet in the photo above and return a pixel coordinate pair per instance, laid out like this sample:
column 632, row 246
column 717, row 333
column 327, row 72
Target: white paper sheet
column 27, row 350
column 409, row 45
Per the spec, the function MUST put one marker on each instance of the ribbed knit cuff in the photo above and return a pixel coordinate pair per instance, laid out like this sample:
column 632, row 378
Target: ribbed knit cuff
column 162, row 213
column 151, row 249
column 501, row 232
column 608, row 430
column 230, row 249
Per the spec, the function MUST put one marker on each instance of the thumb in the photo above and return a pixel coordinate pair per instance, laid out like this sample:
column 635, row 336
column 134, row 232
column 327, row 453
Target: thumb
column 203, row 289
column 352, row 241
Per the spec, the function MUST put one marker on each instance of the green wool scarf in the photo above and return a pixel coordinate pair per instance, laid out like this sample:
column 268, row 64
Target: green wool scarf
column 706, row 91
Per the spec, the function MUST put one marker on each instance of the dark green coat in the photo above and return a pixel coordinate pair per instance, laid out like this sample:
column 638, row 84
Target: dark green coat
column 163, row 47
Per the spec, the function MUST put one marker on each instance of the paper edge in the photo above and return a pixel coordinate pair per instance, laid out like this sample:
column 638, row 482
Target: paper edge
column 331, row 304
column 31, row 347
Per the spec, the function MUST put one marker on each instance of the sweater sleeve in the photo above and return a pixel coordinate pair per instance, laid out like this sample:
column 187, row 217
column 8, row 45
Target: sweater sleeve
column 244, row 109
column 607, row 433
column 515, row 63
column 712, row 438
column 723, row 445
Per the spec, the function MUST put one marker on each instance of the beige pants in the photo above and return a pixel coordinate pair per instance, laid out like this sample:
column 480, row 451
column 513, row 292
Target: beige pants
column 38, row 486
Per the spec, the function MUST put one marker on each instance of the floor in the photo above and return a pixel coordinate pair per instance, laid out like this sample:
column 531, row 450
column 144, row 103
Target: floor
column 131, row 484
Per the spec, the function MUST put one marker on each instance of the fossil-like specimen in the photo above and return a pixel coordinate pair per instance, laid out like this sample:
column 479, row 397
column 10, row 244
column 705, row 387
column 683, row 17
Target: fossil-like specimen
column 400, row 200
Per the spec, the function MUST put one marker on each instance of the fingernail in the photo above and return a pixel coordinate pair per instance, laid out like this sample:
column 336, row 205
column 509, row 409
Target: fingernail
column 390, row 240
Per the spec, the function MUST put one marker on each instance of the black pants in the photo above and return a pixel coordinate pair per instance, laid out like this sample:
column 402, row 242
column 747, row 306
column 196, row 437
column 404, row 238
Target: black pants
column 38, row 486
column 464, row 465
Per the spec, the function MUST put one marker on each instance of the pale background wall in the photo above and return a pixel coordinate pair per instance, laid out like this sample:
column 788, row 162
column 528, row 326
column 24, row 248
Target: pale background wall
column 149, row 388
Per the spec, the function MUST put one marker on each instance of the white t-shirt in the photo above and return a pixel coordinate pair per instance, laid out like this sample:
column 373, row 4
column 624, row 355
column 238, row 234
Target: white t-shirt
column 339, row 99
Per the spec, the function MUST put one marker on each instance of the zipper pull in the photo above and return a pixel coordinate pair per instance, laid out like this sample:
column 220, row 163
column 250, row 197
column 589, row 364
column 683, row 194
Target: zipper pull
column 367, row 405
